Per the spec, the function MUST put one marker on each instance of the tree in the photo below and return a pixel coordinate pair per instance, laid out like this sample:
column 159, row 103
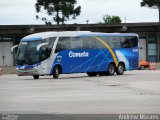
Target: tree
column 61, row 10
column 107, row 19
column 152, row 4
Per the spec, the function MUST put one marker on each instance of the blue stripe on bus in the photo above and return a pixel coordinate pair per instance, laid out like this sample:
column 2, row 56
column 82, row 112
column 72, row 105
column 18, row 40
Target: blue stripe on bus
column 31, row 39
column 28, row 66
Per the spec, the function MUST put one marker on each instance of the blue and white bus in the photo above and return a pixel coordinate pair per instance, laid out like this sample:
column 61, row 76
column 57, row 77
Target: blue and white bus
column 55, row 53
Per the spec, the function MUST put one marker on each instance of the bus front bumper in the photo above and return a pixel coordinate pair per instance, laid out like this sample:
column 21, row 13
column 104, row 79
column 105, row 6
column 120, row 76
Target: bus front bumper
column 25, row 72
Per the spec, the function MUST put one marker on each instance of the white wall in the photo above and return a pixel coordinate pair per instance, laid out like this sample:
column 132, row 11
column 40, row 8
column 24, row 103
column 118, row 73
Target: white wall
column 142, row 49
column 5, row 50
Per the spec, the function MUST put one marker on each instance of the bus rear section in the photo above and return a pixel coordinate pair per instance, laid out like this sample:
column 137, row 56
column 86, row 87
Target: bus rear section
column 96, row 54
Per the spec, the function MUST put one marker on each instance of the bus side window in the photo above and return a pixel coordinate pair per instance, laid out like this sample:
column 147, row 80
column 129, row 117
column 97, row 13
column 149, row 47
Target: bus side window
column 125, row 42
column 46, row 50
column 89, row 43
column 114, row 42
column 50, row 45
column 99, row 44
column 105, row 39
column 133, row 42
column 76, row 42
column 63, row 44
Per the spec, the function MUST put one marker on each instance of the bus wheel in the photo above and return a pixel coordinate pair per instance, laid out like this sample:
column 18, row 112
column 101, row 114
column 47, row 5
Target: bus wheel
column 120, row 69
column 111, row 69
column 56, row 72
column 92, row 74
column 36, row 76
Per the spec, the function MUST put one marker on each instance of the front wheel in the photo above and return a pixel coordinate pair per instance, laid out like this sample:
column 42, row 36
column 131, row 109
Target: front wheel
column 36, row 76
column 120, row 69
column 56, row 72
column 111, row 69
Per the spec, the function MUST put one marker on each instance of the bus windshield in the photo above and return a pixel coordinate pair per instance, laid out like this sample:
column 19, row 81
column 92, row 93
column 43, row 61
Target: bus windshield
column 27, row 53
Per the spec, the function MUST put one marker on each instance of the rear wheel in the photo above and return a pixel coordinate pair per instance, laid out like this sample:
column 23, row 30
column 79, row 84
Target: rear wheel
column 120, row 69
column 92, row 74
column 36, row 76
column 56, row 72
column 111, row 69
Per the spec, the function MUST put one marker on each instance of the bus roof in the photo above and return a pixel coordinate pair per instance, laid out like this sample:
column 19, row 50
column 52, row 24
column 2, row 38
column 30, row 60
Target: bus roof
column 44, row 35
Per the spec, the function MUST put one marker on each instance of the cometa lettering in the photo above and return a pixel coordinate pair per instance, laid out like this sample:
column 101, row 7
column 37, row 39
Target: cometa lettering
column 78, row 54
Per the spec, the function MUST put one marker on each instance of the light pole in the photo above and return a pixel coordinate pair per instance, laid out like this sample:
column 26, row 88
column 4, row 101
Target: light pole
column 87, row 21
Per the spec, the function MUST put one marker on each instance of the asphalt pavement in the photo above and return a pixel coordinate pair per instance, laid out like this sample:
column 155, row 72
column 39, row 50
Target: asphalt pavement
column 132, row 93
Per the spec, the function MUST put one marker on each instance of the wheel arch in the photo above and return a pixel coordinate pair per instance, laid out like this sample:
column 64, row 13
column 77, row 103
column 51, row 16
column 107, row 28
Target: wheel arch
column 59, row 67
column 112, row 63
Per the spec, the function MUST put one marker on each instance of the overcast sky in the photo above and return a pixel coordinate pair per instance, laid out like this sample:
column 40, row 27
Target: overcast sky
column 15, row 12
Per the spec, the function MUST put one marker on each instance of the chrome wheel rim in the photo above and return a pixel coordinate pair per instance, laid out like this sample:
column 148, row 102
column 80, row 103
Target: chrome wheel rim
column 111, row 70
column 57, row 72
column 120, row 69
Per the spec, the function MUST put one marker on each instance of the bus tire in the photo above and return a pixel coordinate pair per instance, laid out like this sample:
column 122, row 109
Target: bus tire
column 111, row 69
column 36, row 76
column 56, row 72
column 120, row 69
column 92, row 74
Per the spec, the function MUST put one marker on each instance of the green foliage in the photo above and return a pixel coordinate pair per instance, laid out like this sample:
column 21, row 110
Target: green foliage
column 107, row 19
column 61, row 10
column 152, row 4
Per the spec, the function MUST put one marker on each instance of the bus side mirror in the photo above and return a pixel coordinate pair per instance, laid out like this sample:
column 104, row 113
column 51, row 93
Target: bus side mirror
column 14, row 49
column 40, row 45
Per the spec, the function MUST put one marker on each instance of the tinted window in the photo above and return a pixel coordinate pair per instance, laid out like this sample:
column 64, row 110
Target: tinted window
column 89, row 43
column 99, row 44
column 51, row 42
column 50, row 45
column 114, row 42
column 105, row 39
column 76, row 43
column 63, row 44
column 133, row 41
column 125, row 42
column 47, row 49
